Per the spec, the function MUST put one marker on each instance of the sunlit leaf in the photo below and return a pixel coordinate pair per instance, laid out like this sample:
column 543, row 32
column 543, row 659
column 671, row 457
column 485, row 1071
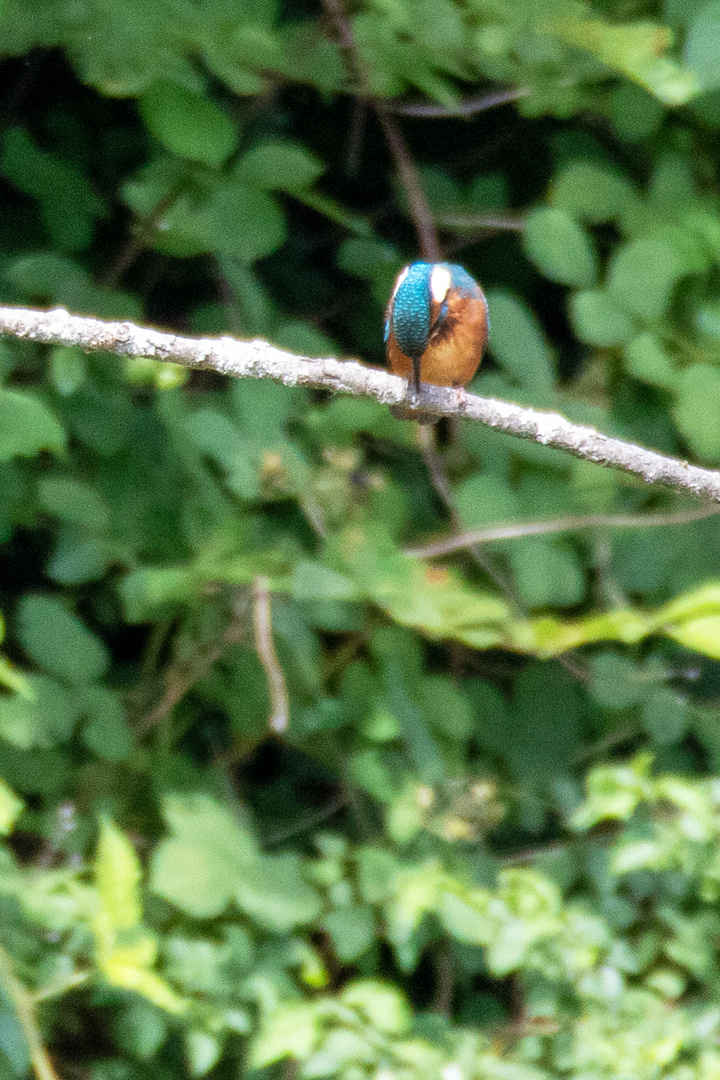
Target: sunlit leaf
column 637, row 50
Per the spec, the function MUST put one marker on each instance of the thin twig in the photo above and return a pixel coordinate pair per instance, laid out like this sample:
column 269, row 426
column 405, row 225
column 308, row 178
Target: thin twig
column 262, row 621
column 410, row 180
column 62, row 986
column 260, row 360
column 405, row 166
column 139, row 240
column 481, row 222
column 444, row 980
column 355, row 136
column 24, row 1007
column 308, row 821
column 438, row 478
column 558, row 525
column 606, row 830
column 470, row 107
column 180, row 679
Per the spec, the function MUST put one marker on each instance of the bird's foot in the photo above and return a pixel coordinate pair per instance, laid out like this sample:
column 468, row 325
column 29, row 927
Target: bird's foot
column 412, row 407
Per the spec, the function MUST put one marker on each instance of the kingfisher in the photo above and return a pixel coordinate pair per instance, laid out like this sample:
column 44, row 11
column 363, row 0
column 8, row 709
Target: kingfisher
column 436, row 325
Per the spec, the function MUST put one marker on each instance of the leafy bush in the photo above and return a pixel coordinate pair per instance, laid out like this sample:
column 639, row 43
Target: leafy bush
column 465, row 823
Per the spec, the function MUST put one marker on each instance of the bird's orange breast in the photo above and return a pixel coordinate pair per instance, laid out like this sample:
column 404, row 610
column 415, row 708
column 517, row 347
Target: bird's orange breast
column 455, row 346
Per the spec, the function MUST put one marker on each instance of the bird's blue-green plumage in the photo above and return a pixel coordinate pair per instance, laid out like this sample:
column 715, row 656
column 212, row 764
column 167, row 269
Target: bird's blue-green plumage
column 409, row 315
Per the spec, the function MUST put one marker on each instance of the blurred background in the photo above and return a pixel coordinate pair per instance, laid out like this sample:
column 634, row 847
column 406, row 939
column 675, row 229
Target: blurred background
column 288, row 787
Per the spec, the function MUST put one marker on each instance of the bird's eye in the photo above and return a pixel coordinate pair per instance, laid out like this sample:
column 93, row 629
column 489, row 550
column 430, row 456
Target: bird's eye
column 440, row 281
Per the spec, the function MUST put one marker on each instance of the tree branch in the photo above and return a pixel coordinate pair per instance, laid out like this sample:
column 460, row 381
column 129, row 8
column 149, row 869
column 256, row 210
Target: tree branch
column 404, row 164
column 265, row 646
column 24, row 1006
column 473, row 537
column 469, row 107
column 260, row 360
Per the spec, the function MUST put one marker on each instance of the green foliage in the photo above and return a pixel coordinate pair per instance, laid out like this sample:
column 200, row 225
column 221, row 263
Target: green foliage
column 560, row 247
column 482, row 843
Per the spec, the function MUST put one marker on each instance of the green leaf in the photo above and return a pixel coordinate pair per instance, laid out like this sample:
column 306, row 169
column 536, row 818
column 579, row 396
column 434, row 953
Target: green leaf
column 202, row 1050
column 560, row 247
column 435, row 601
column 351, row 929
column 465, row 918
column 149, row 589
column 298, row 337
column 106, row 732
column 701, row 634
column 188, row 124
column 647, row 359
column 377, row 870
column 287, row 1031
column 71, row 500
column 314, row 581
column 44, row 274
column 117, row 877
column 697, row 409
column 445, row 708
column 10, row 808
column 58, row 642
column 548, row 722
column 635, row 113
column 256, row 309
column 68, row 203
column 222, row 60
column 614, row 792
column 78, row 557
column 27, row 426
column 277, row 165
column 636, row 50
column 518, row 343
column 665, row 716
column 486, row 499
column 594, row 192
column 599, row 320
column 702, row 46
column 140, row 1030
column 199, row 867
column 233, row 220
column 642, row 276
column 68, row 368
column 43, row 718
column 276, row 894
column 382, row 1005
column 14, row 1049
column 12, row 679
column 617, row 683
column 547, row 571
column 373, row 260
column 125, row 950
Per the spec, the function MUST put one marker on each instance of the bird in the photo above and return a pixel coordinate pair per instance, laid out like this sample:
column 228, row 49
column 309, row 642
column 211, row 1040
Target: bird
column 436, row 325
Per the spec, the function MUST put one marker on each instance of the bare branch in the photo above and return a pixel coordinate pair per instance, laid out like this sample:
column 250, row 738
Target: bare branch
column 480, row 223
column 558, row 525
column 438, row 478
column 259, row 360
column 180, row 678
column 405, row 166
column 262, row 621
column 24, row 1006
column 469, row 107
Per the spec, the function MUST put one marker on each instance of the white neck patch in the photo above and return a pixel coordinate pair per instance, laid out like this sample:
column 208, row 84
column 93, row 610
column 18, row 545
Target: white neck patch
column 440, row 282
column 401, row 277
